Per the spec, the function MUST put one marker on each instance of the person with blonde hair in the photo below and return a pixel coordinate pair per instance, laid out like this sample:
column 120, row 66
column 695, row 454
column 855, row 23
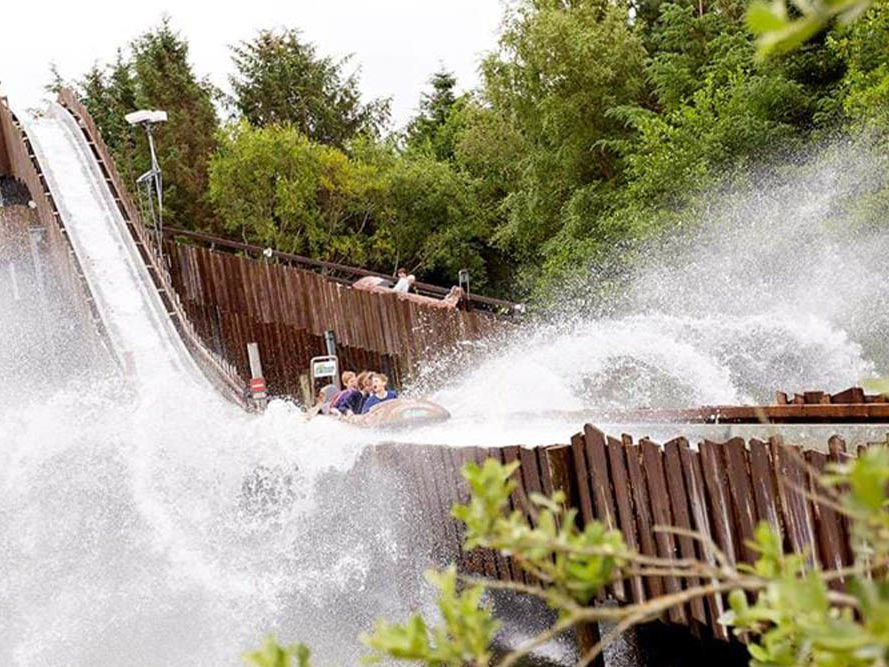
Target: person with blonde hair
column 348, row 402
column 379, row 393
column 347, row 377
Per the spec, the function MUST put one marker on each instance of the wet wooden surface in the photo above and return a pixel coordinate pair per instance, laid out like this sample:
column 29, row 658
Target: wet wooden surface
column 719, row 490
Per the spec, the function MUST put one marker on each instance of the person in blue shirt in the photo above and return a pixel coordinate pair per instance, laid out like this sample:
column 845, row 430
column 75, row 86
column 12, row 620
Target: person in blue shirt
column 379, row 394
column 349, row 402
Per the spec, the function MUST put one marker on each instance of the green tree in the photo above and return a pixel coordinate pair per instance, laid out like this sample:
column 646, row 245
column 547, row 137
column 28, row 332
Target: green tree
column 156, row 74
column 281, row 79
column 433, row 220
column 275, row 187
column 863, row 48
column 164, row 79
column 434, row 130
column 109, row 94
column 559, row 70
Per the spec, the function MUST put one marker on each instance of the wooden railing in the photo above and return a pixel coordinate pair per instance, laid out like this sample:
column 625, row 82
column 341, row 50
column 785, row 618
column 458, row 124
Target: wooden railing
column 235, row 299
column 337, row 272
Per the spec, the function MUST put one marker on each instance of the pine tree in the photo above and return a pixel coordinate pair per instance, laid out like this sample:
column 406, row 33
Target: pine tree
column 281, row 80
column 164, row 79
column 425, row 131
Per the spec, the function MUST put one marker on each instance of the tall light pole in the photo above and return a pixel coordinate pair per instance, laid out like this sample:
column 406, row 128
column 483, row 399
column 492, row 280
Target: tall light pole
column 153, row 178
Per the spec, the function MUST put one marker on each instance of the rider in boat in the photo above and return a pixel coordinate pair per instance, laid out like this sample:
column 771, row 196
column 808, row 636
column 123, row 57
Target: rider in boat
column 349, row 402
column 380, row 393
column 348, row 378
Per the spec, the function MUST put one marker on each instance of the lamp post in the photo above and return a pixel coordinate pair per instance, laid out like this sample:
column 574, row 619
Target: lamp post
column 153, row 178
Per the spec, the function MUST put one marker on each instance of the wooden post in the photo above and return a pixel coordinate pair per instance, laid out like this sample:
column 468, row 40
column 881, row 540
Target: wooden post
column 129, row 363
column 330, row 345
column 35, row 235
column 563, row 477
column 306, row 390
column 257, row 379
column 5, row 162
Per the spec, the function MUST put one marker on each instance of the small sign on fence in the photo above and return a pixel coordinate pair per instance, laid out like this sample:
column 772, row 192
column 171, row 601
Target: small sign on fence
column 324, row 367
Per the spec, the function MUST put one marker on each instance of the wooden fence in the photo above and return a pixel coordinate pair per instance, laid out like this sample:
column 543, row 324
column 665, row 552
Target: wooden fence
column 720, row 490
column 338, row 272
column 235, row 300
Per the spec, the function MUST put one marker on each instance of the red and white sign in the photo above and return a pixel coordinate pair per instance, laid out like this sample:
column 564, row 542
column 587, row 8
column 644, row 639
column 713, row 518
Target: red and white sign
column 257, row 386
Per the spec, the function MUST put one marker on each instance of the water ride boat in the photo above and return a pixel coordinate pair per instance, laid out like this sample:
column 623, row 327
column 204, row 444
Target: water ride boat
column 401, row 413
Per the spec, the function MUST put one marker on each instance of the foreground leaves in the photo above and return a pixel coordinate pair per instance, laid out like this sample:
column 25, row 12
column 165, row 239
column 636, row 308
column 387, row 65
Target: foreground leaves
column 272, row 654
column 466, row 633
column 575, row 563
column 784, row 606
column 779, row 31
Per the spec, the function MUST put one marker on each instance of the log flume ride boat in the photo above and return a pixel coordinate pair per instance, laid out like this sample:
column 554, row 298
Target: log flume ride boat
column 396, row 413
column 401, row 413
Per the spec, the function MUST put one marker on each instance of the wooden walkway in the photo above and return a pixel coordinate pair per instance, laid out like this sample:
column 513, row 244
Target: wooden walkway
column 719, row 489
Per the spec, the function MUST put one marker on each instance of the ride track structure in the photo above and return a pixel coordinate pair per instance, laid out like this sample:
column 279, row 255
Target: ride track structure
column 17, row 159
column 219, row 371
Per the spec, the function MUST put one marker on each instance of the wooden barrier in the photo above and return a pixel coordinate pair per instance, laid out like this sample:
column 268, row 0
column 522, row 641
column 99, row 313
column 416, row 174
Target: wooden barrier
column 338, row 272
column 850, row 396
column 234, row 300
column 719, row 490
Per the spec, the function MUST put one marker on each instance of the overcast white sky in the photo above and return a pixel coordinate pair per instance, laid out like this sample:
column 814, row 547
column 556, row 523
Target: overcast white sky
column 397, row 43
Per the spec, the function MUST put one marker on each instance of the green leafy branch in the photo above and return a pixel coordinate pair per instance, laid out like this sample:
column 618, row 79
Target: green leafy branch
column 781, row 28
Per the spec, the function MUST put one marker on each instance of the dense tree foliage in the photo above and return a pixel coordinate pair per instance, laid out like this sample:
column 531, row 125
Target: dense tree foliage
column 281, row 80
column 597, row 125
column 275, row 187
column 155, row 73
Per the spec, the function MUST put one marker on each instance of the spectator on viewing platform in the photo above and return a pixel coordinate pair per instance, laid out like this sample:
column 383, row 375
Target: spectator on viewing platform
column 375, row 284
column 450, row 302
column 379, row 394
column 405, row 282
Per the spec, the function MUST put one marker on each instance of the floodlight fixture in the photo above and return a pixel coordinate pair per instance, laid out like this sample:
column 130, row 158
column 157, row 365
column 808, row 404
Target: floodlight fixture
column 144, row 116
column 152, row 179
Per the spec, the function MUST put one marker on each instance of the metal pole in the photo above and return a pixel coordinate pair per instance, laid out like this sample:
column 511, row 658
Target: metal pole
column 330, row 344
column 158, row 189
column 463, row 282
